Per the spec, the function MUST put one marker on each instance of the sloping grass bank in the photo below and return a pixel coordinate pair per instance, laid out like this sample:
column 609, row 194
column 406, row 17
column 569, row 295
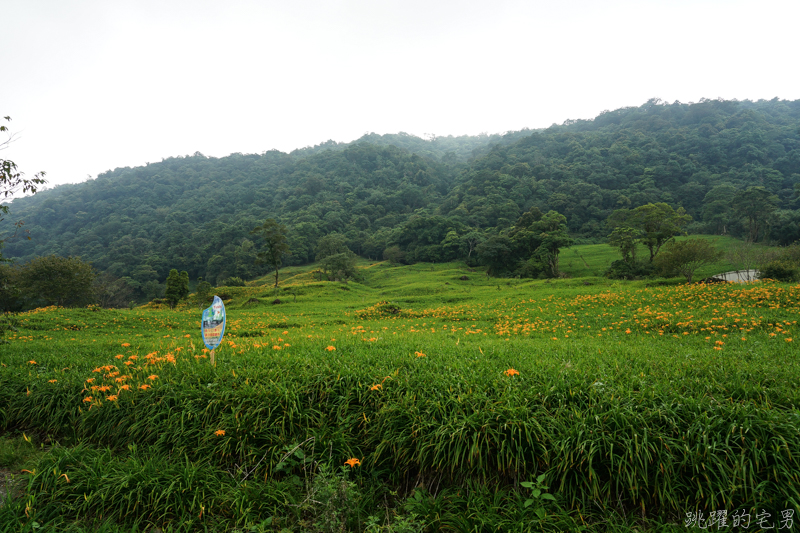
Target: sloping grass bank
column 631, row 401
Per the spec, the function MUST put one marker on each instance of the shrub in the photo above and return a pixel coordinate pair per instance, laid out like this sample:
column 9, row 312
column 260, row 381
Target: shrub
column 780, row 270
column 685, row 257
column 382, row 308
column 54, row 280
column 203, row 291
column 394, row 254
column 623, row 270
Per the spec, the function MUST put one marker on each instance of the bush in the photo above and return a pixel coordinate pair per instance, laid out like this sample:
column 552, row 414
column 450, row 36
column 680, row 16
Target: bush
column 780, row 270
column 620, row 269
column 394, row 254
column 382, row 308
column 233, row 281
column 203, row 291
column 686, row 257
column 532, row 268
column 54, row 280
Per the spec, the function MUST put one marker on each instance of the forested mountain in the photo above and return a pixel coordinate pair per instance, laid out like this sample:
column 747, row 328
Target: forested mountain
column 426, row 199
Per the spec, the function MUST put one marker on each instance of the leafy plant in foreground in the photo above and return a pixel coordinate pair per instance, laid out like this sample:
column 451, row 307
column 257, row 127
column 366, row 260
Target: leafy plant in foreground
column 537, row 495
column 331, row 500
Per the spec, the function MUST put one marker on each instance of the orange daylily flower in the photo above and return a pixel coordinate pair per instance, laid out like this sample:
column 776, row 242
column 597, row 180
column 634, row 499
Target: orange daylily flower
column 219, row 432
column 352, row 462
column 331, row 348
column 511, row 372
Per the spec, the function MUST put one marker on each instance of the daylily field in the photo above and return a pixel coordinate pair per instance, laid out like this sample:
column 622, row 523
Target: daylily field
column 414, row 401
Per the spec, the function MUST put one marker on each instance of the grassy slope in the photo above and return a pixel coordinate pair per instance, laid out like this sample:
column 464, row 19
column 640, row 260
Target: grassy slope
column 594, row 259
column 632, row 400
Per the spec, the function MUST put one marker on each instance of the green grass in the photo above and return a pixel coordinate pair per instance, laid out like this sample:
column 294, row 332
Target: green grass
column 637, row 403
column 594, row 259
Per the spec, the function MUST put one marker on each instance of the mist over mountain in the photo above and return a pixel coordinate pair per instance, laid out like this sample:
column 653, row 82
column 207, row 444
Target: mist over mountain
column 422, row 198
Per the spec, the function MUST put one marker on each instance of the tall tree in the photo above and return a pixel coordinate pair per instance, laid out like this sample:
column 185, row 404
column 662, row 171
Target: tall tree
column 653, row 225
column 336, row 259
column 275, row 247
column 685, row 257
column 625, row 238
column 718, row 208
column 756, row 204
column 177, row 287
column 496, row 252
column 659, row 224
column 554, row 236
column 12, row 180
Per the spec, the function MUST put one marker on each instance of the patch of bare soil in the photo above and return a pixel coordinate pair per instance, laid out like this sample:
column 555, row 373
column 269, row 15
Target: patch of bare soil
column 8, row 483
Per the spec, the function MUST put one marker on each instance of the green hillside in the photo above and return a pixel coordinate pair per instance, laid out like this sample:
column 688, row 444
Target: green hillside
column 428, row 200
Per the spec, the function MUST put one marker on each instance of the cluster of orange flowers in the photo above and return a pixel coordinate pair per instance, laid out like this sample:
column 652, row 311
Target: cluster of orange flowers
column 686, row 309
column 111, row 372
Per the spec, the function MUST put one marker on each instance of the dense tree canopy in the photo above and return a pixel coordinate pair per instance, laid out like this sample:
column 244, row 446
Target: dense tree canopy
column 49, row 280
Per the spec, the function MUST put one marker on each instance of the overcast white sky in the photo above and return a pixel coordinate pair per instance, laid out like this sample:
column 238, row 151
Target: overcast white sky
column 92, row 85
